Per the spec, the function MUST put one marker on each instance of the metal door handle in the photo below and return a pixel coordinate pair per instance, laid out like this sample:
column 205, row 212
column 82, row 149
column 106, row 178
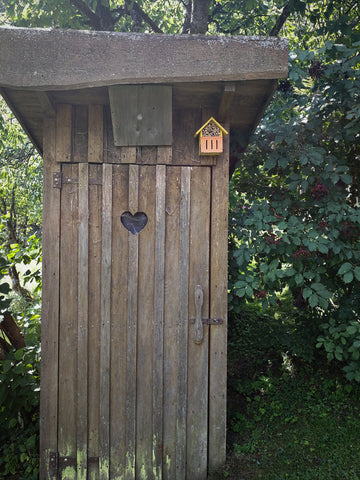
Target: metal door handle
column 199, row 298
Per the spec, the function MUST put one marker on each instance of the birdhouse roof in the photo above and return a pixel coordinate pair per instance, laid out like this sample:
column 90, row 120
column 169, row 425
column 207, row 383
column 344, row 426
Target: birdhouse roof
column 212, row 119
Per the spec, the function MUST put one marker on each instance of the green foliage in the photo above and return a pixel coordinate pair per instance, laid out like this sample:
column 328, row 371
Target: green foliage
column 298, row 427
column 20, row 249
column 19, row 403
column 298, row 227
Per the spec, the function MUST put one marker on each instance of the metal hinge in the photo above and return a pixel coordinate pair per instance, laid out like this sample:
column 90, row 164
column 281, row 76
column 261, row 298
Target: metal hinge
column 58, row 462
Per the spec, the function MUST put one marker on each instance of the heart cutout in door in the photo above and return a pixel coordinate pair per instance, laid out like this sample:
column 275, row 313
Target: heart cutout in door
column 134, row 223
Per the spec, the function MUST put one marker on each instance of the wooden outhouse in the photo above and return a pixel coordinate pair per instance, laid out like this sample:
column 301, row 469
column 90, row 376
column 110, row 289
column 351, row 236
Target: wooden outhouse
column 134, row 322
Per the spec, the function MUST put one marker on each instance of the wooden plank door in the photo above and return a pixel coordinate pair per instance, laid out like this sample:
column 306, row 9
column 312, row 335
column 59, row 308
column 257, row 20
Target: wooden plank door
column 134, row 394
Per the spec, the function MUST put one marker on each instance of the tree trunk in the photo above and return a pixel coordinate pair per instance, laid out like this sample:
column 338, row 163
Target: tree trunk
column 16, row 285
column 199, row 16
column 4, row 348
column 12, row 331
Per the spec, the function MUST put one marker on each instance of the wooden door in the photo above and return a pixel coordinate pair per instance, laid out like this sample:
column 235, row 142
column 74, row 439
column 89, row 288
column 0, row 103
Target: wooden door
column 127, row 392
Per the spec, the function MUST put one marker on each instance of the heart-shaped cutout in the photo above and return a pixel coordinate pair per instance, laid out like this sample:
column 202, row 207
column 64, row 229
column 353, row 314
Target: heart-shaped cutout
column 134, row 223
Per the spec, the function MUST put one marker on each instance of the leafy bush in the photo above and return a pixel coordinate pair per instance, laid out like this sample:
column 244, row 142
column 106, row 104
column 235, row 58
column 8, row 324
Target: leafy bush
column 19, row 400
column 298, row 225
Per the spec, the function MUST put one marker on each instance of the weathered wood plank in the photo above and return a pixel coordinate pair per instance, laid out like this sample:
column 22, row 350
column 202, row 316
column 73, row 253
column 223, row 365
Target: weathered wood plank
column 63, row 133
column 105, row 295
column 82, row 327
column 181, row 431
column 226, row 101
column 119, row 315
column 95, row 221
column 133, row 58
column 141, row 114
column 131, row 354
column 158, row 346
column 145, row 329
column 128, row 155
column 171, row 316
column 95, row 134
column 197, row 402
column 146, row 155
column 80, row 133
column 218, row 309
column 68, row 320
column 50, row 305
column 164, row 155
column 47, row 104
column 184, row 141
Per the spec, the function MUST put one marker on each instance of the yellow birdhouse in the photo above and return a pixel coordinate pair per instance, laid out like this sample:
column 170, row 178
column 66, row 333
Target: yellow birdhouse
column 211, row 137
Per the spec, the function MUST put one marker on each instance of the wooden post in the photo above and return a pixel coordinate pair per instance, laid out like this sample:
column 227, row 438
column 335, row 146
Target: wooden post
column 50, row 305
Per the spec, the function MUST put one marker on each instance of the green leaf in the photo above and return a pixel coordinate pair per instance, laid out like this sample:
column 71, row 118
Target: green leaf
column 307, row 292
column 351, row 329
column 270, row 163
column 345, row 267
column 346, row 179
column 313, row 300
column 299, row 279
column 4, row 288
column 357, row 273
column 249, row 291
column 348, row 277
column 289, row 272
column 322, row 248
column 23, row 457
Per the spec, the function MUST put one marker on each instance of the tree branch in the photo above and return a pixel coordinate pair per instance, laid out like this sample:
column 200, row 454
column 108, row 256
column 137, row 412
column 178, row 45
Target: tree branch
column 94, row 19
column 144, row 16
column 187, row 19
column 281, row 20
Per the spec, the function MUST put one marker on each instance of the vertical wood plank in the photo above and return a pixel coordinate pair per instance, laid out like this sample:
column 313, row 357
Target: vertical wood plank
column 218, row 309
column 50, row 304
column 80, row 132
column 183, row 323
column 105, row 296
column 68, row 320
column 95, row 221
column 82, row 327
column 95, row 134
column 164, row 155
column 63, row 133
column 145, row 327
column 171, row 315
column 158, row 347
column 119, row 314
column 128, row 155
column 132, row 330
column 113, row 154
column 197, row 419
column 146, row 155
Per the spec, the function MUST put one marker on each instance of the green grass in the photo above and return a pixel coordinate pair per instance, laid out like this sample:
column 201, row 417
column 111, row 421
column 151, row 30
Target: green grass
column 293, row 424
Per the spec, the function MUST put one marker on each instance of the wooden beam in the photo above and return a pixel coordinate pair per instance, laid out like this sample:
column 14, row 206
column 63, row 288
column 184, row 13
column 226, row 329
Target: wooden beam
column 226, row 100
column 47, row 104
column 50, row 60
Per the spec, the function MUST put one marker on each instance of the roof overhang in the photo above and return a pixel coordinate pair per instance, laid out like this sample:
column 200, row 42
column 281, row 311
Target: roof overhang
column 42, row 67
